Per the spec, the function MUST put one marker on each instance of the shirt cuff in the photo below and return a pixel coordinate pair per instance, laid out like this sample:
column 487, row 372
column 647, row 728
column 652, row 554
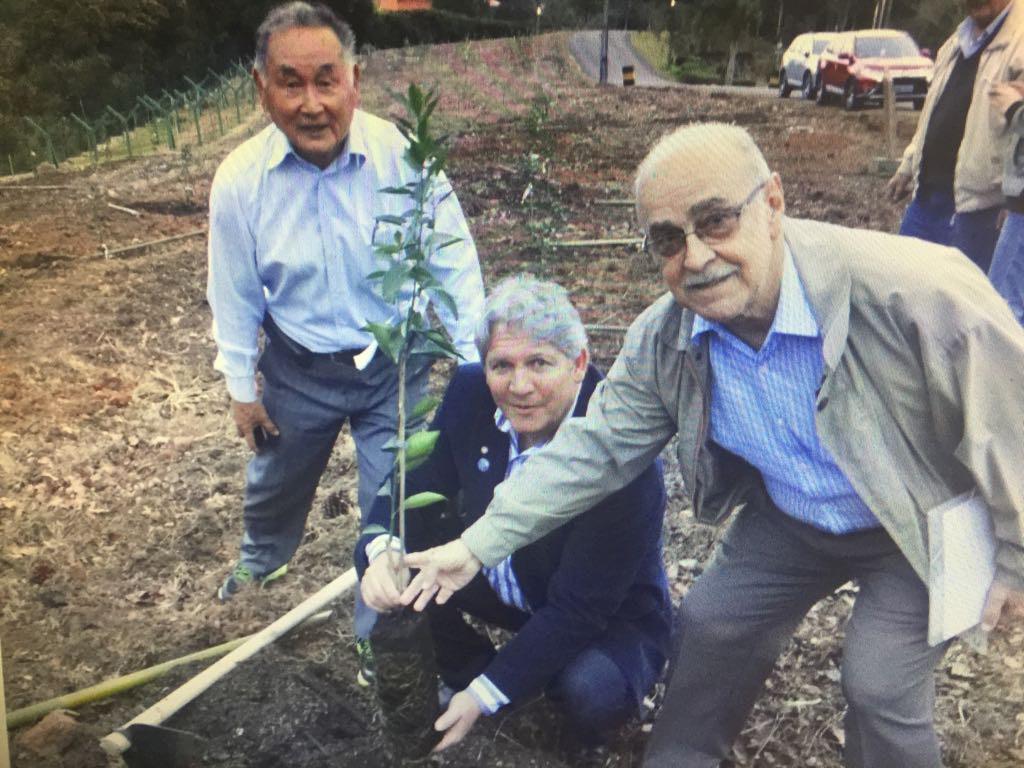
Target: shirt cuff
column 242, row 388
column 487, row 695
column 380, row 544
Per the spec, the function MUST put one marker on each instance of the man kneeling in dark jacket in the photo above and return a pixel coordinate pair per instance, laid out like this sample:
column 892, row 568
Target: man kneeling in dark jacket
column 589, row 602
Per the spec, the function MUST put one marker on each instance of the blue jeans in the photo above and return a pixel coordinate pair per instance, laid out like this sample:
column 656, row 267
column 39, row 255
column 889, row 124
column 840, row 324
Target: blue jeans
column 309, row 405
column 1007, row 271
column 932, row 216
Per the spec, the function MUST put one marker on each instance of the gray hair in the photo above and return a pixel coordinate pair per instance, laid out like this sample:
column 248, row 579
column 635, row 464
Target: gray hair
column 539, row 309
column 302, row 15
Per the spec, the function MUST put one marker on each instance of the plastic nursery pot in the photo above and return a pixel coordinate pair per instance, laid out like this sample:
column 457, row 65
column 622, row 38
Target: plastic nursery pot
column 406, row 682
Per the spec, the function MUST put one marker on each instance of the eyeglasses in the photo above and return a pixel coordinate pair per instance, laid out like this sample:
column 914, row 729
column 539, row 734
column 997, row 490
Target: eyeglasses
column 663, row 241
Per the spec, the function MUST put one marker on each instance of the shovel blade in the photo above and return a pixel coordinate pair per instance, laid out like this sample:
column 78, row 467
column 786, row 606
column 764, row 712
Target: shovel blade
column 154, row 746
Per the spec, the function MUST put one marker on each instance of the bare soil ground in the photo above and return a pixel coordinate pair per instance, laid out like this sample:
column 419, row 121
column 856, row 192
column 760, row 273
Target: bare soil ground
column 121, row 478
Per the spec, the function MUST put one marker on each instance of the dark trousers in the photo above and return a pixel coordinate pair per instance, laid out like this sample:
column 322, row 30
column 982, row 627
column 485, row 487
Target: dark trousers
column 310, row 403
column 591, row 690
column 767, row 573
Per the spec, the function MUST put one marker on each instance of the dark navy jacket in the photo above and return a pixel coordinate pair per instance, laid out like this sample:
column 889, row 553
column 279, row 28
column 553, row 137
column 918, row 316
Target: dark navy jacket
column 599, row 576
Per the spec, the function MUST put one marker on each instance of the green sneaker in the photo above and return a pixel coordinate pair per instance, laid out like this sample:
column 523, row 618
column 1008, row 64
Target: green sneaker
column 367, row 674
column 242, row 577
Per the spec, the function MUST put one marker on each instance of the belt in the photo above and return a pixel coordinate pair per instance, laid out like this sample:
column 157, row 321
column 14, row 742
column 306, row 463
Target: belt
column 301, row 355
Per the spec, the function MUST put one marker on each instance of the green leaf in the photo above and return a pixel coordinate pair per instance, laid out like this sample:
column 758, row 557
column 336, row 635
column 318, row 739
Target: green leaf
column 391, row 285
column 396, row 190
column 424, row 499
column 423, row 276
column 386, row 251
column 433, row 345
column 424, row 406
column 375, row 530
column 388, row 338
column 442, row 296
column 398, row 221
column 415, row 99
column 448, row 243
column 420, row 444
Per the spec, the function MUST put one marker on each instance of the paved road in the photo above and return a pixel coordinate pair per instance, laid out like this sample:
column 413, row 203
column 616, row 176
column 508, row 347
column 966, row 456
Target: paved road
column 586, row 47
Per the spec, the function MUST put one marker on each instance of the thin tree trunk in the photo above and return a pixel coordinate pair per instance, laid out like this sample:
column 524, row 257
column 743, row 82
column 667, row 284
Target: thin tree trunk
column 730, row 70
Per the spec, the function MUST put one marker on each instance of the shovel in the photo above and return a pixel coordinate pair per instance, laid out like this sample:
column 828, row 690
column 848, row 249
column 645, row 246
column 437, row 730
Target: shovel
column 154, row 746
column 161, row 747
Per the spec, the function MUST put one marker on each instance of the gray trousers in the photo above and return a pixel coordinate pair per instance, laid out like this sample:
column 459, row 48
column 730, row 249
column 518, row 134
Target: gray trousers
column 767, row 573
column 310, row 404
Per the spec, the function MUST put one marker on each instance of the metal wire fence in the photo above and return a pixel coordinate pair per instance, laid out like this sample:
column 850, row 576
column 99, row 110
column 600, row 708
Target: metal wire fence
column 171, row 120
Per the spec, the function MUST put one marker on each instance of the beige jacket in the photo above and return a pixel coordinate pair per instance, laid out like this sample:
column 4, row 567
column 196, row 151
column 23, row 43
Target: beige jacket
column 923, row 398
column 977, row 180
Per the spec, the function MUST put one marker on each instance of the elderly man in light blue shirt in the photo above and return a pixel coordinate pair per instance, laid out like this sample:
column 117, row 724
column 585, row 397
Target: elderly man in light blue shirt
column 292, row 229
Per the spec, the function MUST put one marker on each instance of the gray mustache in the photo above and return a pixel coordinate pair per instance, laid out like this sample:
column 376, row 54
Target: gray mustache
column 710, row 276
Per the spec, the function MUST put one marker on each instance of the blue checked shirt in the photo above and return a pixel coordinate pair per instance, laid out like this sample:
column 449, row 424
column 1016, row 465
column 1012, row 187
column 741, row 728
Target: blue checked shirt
column 763, row 406
column 297, row 241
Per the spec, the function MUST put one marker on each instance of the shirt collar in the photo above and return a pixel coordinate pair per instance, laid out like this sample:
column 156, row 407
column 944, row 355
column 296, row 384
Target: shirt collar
column 353, row 152
column 502, row 422
column 793, row 316
column 972, row 39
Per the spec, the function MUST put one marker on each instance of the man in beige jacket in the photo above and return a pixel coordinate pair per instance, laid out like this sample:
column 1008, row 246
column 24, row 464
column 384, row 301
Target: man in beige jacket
column 954, row 162
column 835, row 384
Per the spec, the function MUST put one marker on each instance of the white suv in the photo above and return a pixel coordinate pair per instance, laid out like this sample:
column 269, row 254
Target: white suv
column 799, row 67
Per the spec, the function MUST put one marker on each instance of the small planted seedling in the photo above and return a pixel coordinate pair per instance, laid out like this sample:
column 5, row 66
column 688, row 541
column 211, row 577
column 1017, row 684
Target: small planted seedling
column 406, row 244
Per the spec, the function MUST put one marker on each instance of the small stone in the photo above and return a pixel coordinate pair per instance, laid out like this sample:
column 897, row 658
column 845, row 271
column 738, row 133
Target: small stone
column 51, row 735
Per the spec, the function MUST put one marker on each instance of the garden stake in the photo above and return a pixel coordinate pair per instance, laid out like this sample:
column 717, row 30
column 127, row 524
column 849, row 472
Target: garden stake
column 599, row 243
column 5, row 755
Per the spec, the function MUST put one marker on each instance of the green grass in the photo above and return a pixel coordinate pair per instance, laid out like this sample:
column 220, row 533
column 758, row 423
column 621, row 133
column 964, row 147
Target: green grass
column 653, row 46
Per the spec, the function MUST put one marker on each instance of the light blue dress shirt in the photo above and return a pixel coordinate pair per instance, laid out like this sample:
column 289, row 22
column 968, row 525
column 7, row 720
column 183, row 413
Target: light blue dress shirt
column 972, row 39
column 763, row 406
column 297, row 241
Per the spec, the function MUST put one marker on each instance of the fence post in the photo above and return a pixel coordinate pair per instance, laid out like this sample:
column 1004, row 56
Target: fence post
column 154, row 115
column 172, row 110
column 62, row 124
column 194, row 109
column 124, row 125
column 46, row 138
column 164, row 115
column 226, row 85
column 90, row 135
column 197, row 107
